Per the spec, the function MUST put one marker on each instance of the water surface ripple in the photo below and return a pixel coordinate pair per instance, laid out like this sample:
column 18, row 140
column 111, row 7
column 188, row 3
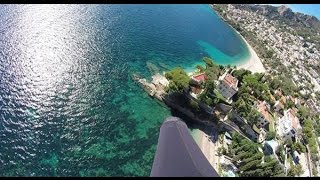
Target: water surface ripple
column 67, row 104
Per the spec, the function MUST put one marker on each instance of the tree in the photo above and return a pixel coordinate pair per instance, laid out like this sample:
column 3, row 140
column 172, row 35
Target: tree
column 289, row 142
column 208, row 61
column 221, row 67
column 201, row 69
column 250, row 165
column 275, row 83
column 295, row 170
column 259, row 76
column 253, row 117
column 194, row 105
column 289, row 104
column 269, row 54
column 210, row 86
column 239, row 73
column 303, row 112
column 299, row 147
column 270, row 135
column 178, row 79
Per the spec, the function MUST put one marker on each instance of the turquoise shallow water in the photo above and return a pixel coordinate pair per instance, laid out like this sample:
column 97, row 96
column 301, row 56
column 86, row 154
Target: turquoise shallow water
column 68, row 106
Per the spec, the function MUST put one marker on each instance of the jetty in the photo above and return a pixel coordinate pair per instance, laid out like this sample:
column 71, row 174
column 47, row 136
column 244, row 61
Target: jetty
column 156, row 87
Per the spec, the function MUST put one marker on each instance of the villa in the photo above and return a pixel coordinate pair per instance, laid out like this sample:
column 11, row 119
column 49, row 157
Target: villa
column 278, row 92
column 228, row 85
column 289, row 125
column 196, row 87
column 278, row 106
column 199, row 78
column 265, row 117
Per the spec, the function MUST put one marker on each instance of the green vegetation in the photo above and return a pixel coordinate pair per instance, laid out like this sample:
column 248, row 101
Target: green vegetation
column 284, row 83
column 270, row 135
column 252, row 89
column 239, row 73
column 280, row 153
column 178, row 79
column 303, row 113
column 248, row 159
column 311, row 138
column 212, row 70
column 210, row 95
column 299, row 147
column 295, row 170
column 200, row 68
column 194, row 105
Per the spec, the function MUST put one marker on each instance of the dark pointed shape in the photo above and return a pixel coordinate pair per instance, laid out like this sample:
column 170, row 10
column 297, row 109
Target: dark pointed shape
column 177, row 153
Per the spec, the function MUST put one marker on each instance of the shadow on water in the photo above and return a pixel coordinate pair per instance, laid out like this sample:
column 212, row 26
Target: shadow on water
column 210, row 131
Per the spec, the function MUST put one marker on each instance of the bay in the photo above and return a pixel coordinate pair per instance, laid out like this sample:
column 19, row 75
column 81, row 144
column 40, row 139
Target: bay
column 68, row 106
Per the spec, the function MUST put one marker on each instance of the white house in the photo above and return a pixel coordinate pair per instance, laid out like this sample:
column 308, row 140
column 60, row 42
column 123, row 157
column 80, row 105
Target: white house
column 288, row 125
column 228, row 85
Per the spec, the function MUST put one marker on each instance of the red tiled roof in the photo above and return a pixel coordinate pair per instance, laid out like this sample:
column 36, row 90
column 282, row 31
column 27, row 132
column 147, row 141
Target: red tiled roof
column 294, row 119
column 263, row 110
column 200, row 77
column 230, row 80
column 283, row 99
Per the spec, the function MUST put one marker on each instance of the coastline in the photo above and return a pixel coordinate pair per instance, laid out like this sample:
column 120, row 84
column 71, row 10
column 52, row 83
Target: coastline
column 252, row 62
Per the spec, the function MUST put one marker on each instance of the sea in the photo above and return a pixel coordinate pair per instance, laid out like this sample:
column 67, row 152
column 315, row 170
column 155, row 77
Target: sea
column 68, row 105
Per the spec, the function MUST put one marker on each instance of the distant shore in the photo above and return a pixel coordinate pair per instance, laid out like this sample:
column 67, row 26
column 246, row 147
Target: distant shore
column 253, row 62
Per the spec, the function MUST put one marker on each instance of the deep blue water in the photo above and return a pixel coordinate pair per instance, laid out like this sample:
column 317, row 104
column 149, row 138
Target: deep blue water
column 68, row 106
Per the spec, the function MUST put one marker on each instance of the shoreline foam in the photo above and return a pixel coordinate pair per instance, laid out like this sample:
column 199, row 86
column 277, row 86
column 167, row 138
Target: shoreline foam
column 253, row 63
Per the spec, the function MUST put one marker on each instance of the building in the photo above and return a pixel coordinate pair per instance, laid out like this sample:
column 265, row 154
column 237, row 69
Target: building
column 199, row 78
column 313, row 106
column 278, row 92
column 228, row 85
column 283, row 100
column 278, row 106
column 260, row 134
column 196, row 87
column 265, row 117
column 196, row 90
column 227, row 140
column 289, row 125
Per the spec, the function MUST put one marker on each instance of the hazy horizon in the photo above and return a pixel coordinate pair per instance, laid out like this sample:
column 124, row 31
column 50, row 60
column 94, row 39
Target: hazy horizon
column 310, row 9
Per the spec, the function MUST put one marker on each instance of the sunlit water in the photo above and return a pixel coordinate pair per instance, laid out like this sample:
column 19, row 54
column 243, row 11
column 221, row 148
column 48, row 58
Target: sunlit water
column 68, row 106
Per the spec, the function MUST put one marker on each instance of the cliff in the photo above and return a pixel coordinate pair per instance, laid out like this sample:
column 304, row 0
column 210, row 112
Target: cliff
column 284, row 14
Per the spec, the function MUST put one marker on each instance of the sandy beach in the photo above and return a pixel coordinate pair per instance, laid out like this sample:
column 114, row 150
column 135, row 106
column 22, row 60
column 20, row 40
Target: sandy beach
column 254, row 63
